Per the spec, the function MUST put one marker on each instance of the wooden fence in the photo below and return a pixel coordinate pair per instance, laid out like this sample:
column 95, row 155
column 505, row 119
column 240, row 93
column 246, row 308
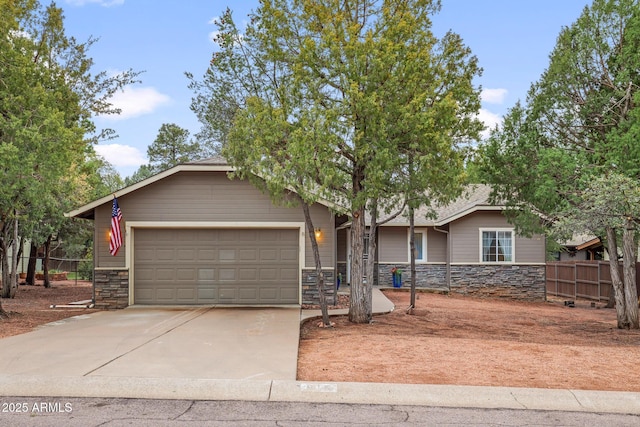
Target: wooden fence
column 582, row 279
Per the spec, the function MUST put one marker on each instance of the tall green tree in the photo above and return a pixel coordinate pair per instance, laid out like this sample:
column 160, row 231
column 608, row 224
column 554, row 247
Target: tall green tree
column 172, row 147
column 316, row 107
column 142, row 173
column 610, row 207
column 246, row 70
column 48, row 97
column 579, row 124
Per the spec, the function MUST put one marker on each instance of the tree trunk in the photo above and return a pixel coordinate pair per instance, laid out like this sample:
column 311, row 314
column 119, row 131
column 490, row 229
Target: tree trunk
column 412, row 256
column 629, row 269
column 3, row 263
column 318, row 263
column 7, row 291
column 616, row 279
column 3, row 267
column 370, row 267
column 360, row 305
column 13, row 273
column 45, row 262
column 31, row 267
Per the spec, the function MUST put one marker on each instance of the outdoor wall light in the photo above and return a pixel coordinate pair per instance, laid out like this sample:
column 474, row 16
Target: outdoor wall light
column 318, row 233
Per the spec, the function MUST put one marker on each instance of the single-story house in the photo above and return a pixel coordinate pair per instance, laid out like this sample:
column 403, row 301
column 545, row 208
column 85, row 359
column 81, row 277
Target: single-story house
column 192, row 235
column 469, row 248
column 582, row 247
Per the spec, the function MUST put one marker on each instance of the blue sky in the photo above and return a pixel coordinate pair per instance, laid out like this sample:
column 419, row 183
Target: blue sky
column 511, row 38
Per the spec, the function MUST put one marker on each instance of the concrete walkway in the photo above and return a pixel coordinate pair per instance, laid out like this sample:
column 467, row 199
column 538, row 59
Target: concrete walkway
column 379, row 305
column 52, row 372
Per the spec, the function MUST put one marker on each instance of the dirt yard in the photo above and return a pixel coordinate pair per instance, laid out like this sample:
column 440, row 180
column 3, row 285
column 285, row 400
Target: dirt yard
column 467, row 341
column 449, row 340
column 31, row 306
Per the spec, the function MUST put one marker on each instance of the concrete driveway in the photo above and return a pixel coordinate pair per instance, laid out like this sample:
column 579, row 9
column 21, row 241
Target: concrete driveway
column 144, row 342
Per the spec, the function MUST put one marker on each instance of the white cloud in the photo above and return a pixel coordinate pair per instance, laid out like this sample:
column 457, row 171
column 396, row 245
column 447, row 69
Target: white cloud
column 490, row 120
column 105, row 3
column 134, row 102
column 493, row 96
column 121, row 155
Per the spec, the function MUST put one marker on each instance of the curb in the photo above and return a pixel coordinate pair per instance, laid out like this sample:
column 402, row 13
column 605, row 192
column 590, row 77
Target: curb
column 478, row 397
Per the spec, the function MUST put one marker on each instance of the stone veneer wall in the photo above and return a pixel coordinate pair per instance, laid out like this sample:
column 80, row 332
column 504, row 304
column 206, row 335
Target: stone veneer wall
column 310, row 289
column 522, row 282
column 111, row 288
column 429, row 276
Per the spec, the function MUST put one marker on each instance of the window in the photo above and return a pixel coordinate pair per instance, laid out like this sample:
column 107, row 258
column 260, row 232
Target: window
column 420, row 241
column 497, row 245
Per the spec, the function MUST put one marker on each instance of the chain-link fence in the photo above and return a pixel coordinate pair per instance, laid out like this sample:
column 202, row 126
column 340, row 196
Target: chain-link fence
column 77, row 269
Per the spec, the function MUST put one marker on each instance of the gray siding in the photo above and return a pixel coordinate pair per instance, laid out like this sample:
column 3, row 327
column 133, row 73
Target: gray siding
column 205, row 196
column 436, row 246
column 465, row 239
column 531, row 250
column 392, row 244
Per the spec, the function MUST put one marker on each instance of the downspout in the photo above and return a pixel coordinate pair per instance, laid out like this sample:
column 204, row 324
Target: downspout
column 448, row 259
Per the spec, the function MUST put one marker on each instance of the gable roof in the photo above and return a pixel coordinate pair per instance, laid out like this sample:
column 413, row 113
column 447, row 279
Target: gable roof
column 474, row 198
column 582, row 241
column 213, row 164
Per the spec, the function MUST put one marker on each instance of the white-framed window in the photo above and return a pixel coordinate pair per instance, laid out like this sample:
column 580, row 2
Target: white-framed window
column 497, row 245
column 420, row 241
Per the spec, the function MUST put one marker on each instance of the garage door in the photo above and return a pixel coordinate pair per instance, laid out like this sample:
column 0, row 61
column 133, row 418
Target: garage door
column 216, row 266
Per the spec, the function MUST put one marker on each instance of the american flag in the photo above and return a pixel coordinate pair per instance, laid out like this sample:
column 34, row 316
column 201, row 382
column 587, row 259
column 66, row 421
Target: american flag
column 115, row 237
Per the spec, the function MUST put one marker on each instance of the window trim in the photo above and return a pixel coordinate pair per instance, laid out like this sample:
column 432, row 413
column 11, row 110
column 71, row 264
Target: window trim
column 496, row 230
column 422, row 230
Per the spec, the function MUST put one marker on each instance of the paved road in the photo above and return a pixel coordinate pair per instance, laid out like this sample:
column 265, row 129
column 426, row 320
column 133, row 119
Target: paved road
column 89, row 412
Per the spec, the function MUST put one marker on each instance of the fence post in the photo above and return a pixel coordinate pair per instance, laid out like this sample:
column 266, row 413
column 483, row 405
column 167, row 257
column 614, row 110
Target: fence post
column 599, row 290
column 575, row 280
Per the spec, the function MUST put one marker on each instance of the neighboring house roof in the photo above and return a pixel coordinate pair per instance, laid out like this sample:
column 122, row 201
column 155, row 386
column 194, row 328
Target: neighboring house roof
column 215, row 160
column 474, row 198
column 582, row 241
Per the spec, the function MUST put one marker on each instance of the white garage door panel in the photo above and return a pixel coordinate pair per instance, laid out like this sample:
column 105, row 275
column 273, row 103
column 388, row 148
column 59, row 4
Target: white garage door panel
column 208, row 266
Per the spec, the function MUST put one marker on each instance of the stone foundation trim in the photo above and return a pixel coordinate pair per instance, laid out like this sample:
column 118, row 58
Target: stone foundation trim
column 310, row 289
column 513, row 281
column 111, row 288
column 428, row 275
